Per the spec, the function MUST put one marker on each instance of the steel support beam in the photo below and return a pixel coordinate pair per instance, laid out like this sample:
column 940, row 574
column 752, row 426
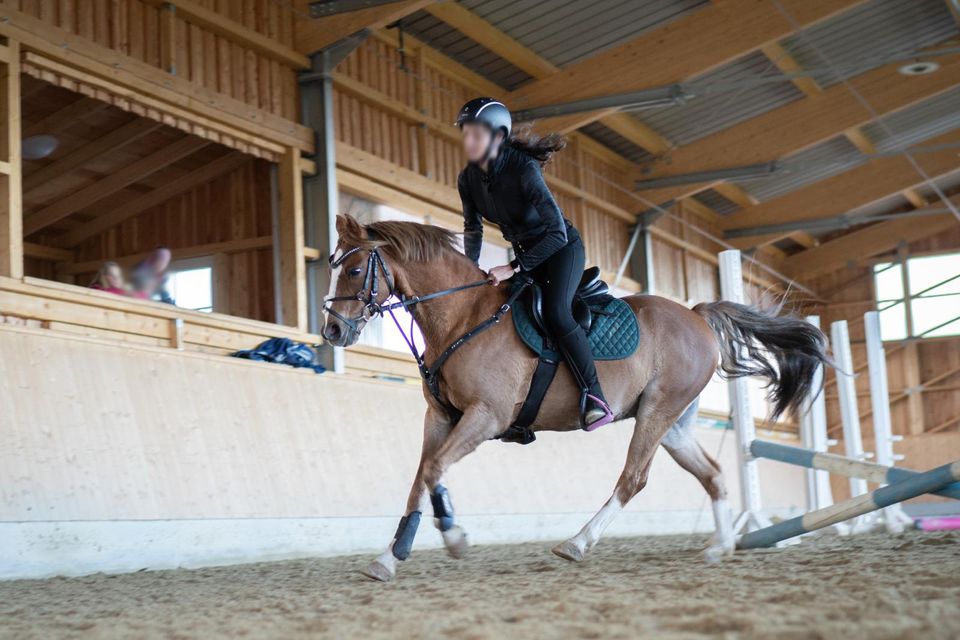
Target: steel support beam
column 320, row 191
column 647, row 99
column 829, row 224
column 326, row 8
column 741, row 174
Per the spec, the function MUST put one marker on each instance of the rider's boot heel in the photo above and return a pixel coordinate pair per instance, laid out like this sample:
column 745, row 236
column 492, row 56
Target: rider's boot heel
column 597, row 413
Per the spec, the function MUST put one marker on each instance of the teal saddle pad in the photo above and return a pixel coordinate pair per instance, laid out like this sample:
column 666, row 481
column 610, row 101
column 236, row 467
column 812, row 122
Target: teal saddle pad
column 614, row 335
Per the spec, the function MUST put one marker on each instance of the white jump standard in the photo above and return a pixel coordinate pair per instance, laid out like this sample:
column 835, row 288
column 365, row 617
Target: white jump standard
column 927, row 482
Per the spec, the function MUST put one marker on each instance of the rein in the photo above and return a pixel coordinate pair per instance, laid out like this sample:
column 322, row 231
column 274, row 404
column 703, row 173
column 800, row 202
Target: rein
column 367, row 294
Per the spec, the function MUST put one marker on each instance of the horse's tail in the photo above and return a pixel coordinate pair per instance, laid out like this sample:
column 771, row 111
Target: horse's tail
column 784, row 349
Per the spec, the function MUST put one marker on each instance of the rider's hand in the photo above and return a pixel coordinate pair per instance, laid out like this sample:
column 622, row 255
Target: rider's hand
column 498, row 274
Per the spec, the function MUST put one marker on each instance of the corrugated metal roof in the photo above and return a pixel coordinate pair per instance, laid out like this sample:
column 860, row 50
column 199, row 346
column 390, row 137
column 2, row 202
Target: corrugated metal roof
column 717, row 201
column 873, row 30
column 910, row 127
column 810, row 165
column 717, row 107
column 464, row 50
column 915, row 124
column 613, row 140
column 567, row 31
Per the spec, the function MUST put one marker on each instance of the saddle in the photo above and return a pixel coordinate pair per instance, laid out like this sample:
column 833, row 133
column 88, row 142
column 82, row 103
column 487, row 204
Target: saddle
column 610, row 325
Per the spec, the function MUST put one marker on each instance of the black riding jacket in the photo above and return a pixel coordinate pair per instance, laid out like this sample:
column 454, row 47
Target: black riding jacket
column 513, row 196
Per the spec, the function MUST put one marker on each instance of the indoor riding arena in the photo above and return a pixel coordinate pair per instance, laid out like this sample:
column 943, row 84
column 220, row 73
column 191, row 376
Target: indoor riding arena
column 477, row 319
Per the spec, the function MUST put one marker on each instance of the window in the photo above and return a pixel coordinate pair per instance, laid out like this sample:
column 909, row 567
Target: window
column 920, row 299
column 190, row 284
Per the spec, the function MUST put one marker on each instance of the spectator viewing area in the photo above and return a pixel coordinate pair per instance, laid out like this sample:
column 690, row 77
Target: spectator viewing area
column 177, row 181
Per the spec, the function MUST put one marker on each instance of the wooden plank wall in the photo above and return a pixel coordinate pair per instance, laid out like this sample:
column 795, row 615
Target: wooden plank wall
column 405, row 117
column 235, row 206
column 133, row 27
column 849, row 293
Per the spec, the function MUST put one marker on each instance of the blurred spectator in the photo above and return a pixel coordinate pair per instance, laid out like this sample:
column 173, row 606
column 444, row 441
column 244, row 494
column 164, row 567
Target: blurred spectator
column 149, row 277
column 109, row 278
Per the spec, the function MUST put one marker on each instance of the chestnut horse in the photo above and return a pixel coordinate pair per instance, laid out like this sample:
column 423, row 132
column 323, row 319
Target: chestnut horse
column 484, row 382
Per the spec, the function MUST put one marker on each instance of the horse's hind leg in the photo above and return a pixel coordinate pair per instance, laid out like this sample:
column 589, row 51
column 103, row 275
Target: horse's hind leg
column 681, row 444
column 654, row 416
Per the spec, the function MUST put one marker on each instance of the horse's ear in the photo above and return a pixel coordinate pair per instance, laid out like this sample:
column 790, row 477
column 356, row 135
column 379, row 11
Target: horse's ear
column 348, row 226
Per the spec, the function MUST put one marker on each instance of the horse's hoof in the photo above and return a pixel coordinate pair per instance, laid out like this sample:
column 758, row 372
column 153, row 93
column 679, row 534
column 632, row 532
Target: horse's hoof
column 455, row 540
column 569, row 551
column 716, row 553
column 378, row 571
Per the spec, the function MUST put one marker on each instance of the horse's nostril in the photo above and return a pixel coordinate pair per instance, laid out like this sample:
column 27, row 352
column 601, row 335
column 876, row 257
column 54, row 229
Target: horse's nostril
column 331, row 332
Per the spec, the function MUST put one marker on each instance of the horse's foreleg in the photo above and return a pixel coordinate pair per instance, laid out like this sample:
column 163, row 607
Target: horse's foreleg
column 683, row 447
column 436, row 429
column 477, row 425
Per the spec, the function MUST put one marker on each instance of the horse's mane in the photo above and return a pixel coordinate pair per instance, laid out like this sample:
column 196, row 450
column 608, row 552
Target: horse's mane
column 409, row 241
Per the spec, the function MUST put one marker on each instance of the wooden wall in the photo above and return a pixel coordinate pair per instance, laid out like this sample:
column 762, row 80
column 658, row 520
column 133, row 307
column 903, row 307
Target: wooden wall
column 233, row 207
column 849, row 294
column 136, row 28
column 405, row 117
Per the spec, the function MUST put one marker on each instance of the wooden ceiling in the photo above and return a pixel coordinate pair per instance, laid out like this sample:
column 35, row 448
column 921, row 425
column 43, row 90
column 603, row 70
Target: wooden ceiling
column 109, row 165
column 703, row 40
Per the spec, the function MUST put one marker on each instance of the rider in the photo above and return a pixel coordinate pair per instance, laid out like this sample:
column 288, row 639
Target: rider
column 503, row 183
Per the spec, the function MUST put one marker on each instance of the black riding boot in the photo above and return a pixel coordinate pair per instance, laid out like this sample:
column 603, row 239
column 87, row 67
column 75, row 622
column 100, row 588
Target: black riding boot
column 593, row 406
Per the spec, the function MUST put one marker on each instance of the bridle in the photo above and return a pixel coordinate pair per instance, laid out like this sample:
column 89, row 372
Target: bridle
column 377, row 267
column 368, row 292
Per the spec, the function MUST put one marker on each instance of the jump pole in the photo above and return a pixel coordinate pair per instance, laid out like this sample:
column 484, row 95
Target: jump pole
column 750, row 519
column 926, row 482
column 849, row 414
column 813, row 434
column 830, row 463
column 894, row 517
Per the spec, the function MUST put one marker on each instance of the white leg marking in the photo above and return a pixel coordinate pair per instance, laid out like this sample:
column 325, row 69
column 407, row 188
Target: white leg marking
column 724, row 540
column 384, row 567
column 576, row 547
column 455, row 540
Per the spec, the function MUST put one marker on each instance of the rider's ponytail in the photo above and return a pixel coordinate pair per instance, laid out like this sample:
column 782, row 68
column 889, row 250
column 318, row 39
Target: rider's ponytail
column 537, row 147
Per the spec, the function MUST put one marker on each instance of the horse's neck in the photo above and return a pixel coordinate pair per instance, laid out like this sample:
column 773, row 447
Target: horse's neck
column 444, row 319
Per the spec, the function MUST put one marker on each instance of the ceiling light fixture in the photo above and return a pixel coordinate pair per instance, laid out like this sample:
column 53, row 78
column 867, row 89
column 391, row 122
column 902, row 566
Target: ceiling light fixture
column 918, row 68
column 39, row 147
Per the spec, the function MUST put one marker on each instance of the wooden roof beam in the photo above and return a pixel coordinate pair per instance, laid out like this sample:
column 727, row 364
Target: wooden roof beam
column 108, row 143
column 834, row 196
column 221, row 25
column 782, row 59
column 127, row 210
column 312, row 35
column 704, row 40
column 864, row 243
column 65, row 117
column 488, row 35
column 805, row 123
column 114, row 182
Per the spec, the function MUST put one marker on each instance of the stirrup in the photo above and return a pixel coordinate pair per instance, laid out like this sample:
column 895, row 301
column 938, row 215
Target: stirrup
column 598, row 416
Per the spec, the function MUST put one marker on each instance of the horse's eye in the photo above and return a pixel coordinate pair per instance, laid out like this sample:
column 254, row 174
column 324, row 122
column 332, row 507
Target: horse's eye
column 355, row 272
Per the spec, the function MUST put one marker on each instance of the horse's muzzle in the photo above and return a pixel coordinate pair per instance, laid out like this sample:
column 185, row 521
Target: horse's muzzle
column 336, row 335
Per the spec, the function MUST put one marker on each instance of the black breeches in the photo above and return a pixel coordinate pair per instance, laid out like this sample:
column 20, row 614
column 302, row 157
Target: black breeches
column 558, row 276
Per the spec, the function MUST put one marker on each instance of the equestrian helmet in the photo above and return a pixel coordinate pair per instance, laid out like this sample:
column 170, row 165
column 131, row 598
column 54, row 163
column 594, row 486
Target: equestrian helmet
column 488, row 111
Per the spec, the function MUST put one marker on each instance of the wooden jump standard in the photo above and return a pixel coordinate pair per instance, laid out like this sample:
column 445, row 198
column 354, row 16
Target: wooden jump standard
column 911, row 487
column 869, row 471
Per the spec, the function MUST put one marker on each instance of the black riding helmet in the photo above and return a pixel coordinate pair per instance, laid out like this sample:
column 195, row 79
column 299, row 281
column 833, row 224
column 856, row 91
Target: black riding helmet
column 490, row 112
